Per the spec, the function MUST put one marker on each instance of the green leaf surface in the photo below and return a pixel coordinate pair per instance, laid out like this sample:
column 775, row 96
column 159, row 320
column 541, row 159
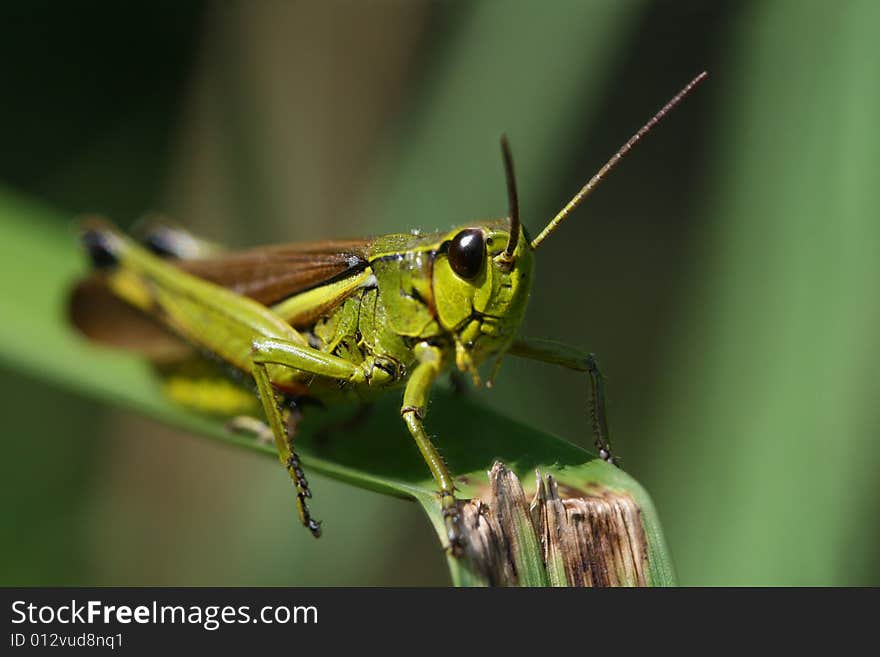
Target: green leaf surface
column 378, row 454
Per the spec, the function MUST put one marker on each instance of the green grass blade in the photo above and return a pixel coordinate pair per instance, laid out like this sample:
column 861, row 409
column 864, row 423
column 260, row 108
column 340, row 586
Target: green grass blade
column 774, row 401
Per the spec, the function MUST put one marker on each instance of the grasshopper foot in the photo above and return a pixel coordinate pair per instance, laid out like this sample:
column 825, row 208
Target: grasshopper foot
column 452, row 521
column 314, row 526
column 606, row 455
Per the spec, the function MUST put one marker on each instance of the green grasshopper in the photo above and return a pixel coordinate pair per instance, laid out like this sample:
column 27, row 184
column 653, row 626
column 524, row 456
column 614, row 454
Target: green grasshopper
column 330, row 320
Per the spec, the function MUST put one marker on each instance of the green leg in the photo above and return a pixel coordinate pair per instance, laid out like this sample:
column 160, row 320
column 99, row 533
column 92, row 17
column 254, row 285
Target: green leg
column 573, row 358
column 414, row 409
column 271, row 351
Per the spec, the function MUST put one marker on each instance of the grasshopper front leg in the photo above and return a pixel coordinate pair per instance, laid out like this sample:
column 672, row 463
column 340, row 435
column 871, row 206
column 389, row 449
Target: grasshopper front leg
column 573, row 358
column 414, row 409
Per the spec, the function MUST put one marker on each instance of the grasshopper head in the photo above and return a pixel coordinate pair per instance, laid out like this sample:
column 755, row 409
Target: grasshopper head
column 482, row 280
column 481, row 290
column 483, row 272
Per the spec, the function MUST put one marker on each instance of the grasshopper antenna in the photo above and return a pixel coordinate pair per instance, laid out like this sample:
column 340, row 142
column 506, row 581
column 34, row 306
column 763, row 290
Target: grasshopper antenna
column 512, row 201
column 615, row 159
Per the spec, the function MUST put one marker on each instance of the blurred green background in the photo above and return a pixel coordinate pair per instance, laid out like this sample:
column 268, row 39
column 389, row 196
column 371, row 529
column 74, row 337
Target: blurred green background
column 726, row 274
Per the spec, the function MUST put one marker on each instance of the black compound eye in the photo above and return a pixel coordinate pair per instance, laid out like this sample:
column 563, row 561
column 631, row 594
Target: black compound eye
column 467, row 251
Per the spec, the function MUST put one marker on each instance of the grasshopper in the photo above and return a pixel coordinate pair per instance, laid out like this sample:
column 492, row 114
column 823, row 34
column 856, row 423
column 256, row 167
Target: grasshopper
column 331, row 320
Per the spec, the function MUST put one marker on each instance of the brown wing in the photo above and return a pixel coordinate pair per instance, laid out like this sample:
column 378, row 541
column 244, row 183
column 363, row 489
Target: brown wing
column 268, row 275
column 105, row 318
column 271, row 274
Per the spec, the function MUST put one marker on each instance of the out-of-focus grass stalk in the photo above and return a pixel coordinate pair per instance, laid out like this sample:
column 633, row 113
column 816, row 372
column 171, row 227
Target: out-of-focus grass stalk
column 770, row 430
column 535, row 75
